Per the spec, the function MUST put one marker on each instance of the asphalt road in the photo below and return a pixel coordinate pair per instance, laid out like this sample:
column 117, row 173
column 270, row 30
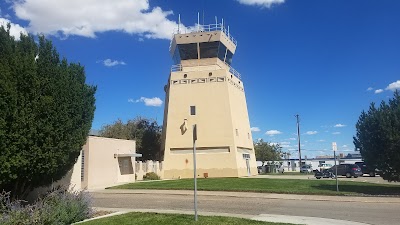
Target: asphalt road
column 371, row 213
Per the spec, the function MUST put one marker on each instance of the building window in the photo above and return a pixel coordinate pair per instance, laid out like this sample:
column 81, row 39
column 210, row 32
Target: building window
column 209, row 49
column 192, row 110
column 248, row 135
column 246, row 156
column 237, row 132
column 83, row 165
column 188, row 51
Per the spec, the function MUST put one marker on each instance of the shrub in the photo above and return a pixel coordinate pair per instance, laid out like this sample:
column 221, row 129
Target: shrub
column 60, row 206
column 65, row 207
column 151, row 176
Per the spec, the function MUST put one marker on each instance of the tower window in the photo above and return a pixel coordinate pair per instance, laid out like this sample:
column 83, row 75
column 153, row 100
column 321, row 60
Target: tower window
column 237, row 132
column 210, row 74
column 188, row 51
column 209, row 49
column 184, row 75
column 192, row 110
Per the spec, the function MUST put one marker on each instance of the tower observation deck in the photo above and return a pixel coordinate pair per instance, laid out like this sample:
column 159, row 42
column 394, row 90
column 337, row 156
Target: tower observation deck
column 203, row 45
column 205, row 90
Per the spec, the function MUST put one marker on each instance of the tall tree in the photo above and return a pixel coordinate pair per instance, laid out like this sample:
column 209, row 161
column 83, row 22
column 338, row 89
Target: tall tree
column 146, row 133
column 266, row 151
column 378, row 137
column 46, row 111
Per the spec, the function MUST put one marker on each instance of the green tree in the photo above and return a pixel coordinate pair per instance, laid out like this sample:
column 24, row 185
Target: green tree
column 266, row 151
column 46, row 111
column 378, row 137
column 146, row 133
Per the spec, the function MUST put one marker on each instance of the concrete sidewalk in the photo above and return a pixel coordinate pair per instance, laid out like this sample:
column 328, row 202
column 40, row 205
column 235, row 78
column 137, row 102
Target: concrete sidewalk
column 255, row 195
column 261, row 217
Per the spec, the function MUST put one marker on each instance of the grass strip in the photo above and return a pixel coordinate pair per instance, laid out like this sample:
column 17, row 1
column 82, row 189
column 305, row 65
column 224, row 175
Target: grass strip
column 282, row 186
column 174, row 219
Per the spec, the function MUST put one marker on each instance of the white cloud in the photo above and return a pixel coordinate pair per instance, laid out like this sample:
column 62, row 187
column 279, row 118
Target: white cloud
column 157, row 102
column 262, row 3
column 370, row 89
column 273, row 132
column 255, row 129
column 344, row 146
column 378, row 91
column 284, row 143
column 394, row 86
column 336, row 133
column 111, row 63
column 292, row 139
column 311, row 132
column 15, row 29
column 339, row 125
column 321, row 140
column 88, row 17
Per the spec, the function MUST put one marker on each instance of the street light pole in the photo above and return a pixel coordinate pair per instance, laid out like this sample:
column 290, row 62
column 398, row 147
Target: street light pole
column 194, row 170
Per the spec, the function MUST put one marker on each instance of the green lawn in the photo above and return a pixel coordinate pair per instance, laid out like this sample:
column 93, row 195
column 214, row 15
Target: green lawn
column 286, row 186
column 174, row 219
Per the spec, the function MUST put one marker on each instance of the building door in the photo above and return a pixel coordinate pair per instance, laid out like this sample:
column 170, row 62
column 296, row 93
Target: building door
column 246, row 156
column 248, row 167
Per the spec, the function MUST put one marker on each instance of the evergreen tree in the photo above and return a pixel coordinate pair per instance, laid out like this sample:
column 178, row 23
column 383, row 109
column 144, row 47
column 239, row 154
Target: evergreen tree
column 46, row 111
column 378, row 137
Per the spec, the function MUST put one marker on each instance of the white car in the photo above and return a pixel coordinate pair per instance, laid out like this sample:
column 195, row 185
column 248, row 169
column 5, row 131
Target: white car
column 324, row 166
column 306, row 169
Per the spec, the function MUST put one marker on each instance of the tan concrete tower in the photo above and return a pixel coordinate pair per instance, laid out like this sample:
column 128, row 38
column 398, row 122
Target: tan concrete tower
column 204, row 89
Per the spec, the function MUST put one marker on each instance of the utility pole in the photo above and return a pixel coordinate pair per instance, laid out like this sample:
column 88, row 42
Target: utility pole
column 334, row 148
column 298, row 137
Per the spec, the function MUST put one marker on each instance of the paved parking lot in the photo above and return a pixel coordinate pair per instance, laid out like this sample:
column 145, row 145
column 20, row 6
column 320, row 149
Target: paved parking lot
column 366, row 178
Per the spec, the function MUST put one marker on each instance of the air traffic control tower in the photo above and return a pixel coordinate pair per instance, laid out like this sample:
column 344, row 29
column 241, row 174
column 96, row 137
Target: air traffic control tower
column 204, row 89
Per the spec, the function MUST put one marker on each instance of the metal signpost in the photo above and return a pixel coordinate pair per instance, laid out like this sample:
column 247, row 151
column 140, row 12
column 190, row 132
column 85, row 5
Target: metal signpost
column 194, row 170
column 334, row 147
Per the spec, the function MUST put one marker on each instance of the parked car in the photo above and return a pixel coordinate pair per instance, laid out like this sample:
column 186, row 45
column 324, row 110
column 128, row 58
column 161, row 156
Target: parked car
column 367, row 170
column 348, row 170
column 306, row 169
column 324, row 166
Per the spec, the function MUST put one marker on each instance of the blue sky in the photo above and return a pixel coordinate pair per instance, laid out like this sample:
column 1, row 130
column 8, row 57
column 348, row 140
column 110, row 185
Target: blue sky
column 325, row 60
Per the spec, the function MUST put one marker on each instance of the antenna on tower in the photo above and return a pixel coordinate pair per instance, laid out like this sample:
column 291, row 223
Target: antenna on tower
column 198, row 21
column 216, row 21
column 179, row 22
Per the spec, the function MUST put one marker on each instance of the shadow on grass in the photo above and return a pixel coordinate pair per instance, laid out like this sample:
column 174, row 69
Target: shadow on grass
column 360, row 189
